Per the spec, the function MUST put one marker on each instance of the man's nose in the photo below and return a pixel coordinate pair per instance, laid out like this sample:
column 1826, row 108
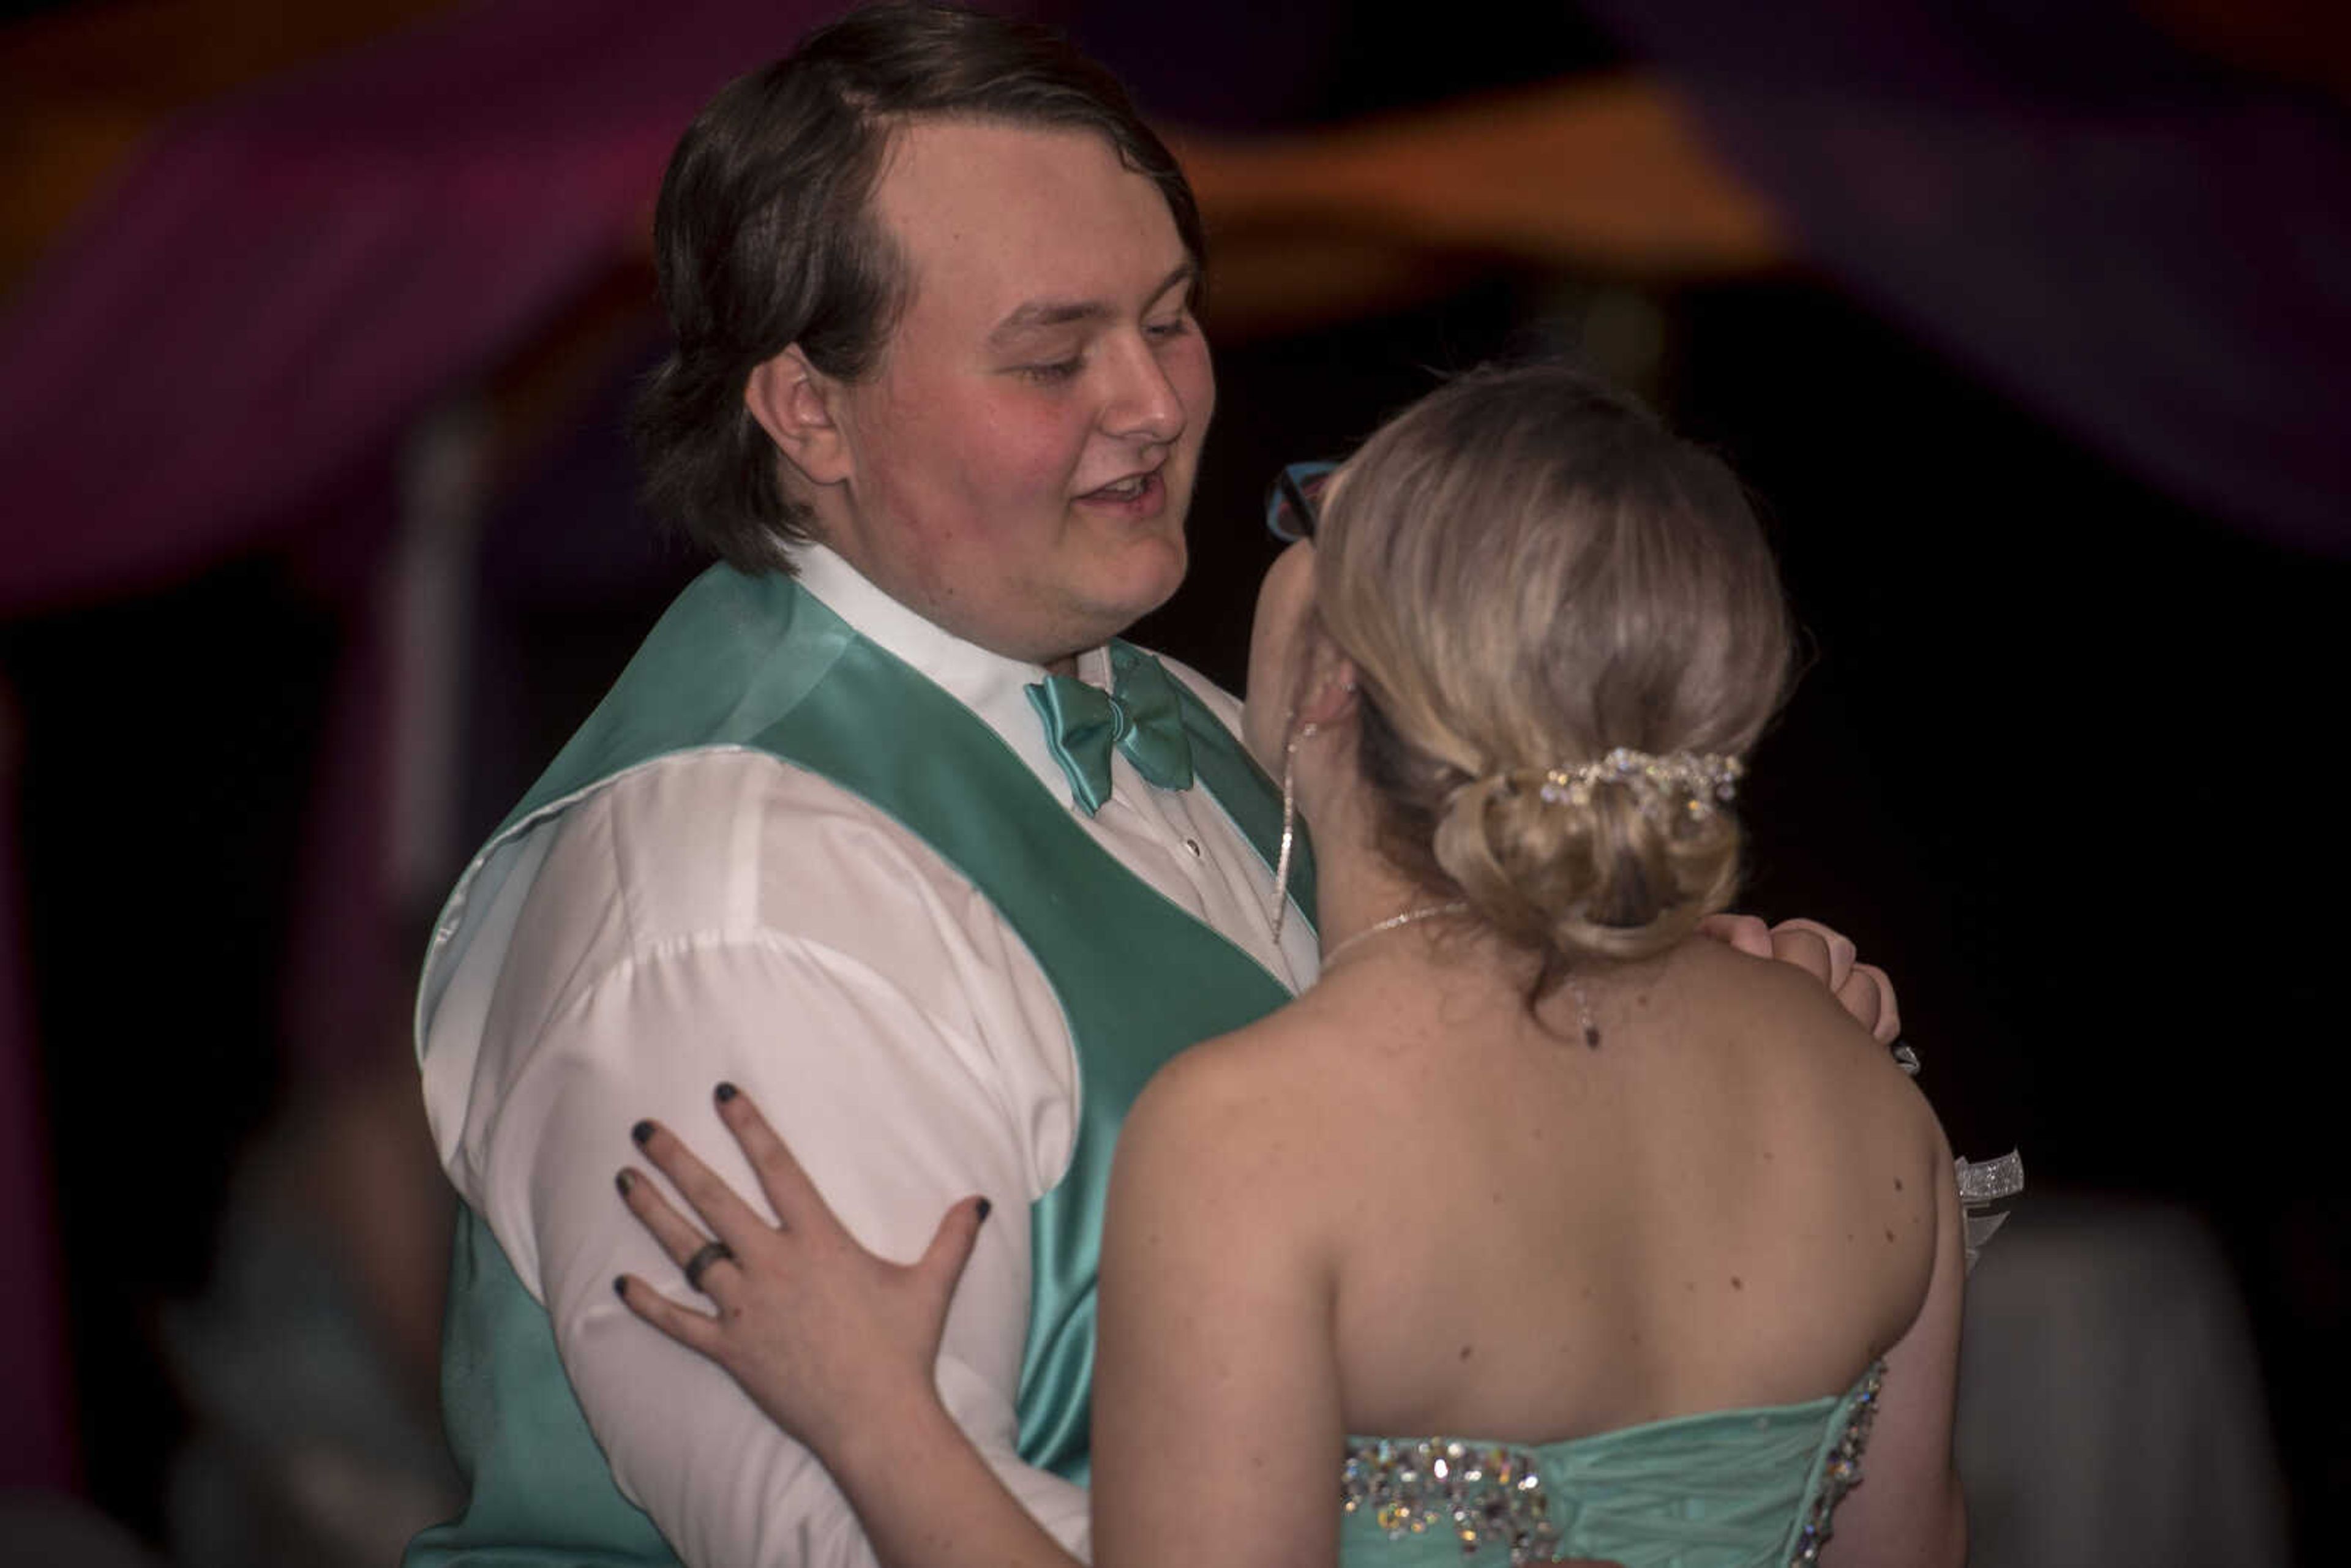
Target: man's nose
column 1143, row 403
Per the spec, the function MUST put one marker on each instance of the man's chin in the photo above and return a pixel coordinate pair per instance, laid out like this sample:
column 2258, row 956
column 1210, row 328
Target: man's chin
column 1094, row 623
column 1150, row 589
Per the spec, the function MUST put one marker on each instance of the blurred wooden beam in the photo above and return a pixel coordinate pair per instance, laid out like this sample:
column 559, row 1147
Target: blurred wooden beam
column 1607, row 176
column 80, row 90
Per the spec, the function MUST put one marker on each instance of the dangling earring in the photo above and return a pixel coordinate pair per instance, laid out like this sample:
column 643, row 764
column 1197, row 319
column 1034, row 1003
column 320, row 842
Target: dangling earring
column 1297, row 731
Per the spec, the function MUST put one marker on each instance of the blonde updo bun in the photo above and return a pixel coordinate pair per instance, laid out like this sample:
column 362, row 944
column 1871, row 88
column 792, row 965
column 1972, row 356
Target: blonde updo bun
column 1529, row 572
column 1617, row 875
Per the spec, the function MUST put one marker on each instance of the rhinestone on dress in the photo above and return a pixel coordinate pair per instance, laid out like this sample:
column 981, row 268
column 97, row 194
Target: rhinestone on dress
column 1478, row 1494
column 1843, row 1471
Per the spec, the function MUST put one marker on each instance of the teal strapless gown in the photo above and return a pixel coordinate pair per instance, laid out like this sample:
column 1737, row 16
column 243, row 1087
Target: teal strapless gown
column 1730, row 1488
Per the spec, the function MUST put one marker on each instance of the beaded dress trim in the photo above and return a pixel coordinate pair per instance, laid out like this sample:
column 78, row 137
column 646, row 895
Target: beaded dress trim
column 1480, row 1494
column 1842, row 1473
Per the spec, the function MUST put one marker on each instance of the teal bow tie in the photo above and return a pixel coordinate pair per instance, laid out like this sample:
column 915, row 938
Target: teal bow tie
column 1142, row 718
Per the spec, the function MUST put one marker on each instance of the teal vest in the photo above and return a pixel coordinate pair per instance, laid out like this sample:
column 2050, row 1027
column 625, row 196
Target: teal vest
column 754, row 662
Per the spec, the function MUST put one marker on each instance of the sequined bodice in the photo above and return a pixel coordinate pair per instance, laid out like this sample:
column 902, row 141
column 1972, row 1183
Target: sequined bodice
column 1731, row 1489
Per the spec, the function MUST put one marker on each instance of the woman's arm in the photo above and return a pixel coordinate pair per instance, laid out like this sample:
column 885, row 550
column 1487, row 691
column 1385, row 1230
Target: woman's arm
column 1907, row 1509
column 1217, row 1424
column 1217, row 1418
column 1216, row 1412
column 836, row 1345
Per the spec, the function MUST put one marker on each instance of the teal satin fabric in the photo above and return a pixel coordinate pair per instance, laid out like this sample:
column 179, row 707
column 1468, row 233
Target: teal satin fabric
column 1143, row 717
column 754, row 662
column 1730, row 1489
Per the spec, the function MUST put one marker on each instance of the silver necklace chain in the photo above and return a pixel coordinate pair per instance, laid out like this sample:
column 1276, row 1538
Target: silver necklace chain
column 1396, row 923
column 1460, row 907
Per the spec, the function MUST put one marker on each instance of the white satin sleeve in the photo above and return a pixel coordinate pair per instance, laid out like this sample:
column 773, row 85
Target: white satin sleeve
column 724, row 916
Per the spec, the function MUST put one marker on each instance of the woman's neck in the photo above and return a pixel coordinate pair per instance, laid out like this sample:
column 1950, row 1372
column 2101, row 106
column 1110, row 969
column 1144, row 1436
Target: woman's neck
column 1356, row 887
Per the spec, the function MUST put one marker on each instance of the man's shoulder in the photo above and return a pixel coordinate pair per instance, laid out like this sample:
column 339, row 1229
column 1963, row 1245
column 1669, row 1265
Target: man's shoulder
column 729, row 873
column 730, row 841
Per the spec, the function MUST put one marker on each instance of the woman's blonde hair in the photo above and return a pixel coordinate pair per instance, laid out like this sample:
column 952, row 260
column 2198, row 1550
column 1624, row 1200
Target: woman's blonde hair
column 1529, row 572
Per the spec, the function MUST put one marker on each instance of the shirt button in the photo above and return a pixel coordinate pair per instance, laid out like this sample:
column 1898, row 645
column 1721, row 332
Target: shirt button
column 1193, row 845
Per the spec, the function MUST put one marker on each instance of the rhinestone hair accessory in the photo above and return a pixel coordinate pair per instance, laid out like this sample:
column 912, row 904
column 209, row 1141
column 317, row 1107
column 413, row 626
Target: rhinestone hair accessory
column 1704, row 781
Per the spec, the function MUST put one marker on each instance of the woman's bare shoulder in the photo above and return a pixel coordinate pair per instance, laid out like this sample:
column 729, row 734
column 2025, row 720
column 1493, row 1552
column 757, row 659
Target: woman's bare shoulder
column 1770, row 999
column 1215, row 1177
column 1790, row 1032
column 1255, row 1114
column 1228, row 1085
column 1788, row 1068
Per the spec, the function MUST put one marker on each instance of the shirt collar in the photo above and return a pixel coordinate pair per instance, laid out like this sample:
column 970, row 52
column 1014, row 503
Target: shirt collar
column 994, row 687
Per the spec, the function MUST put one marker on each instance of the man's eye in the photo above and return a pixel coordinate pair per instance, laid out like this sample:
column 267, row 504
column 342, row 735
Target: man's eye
column 1056, row 370
column 1173, row 327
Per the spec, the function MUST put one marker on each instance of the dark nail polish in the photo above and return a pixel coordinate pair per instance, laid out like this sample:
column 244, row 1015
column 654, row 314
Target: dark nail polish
column 642, row 1132
column 621, row 1286
column 986, row 1208
column 724, row 1093
column 624, row 1180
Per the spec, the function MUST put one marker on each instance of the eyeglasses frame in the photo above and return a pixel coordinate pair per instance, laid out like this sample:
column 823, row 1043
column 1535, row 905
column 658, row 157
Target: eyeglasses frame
column 1290, row 492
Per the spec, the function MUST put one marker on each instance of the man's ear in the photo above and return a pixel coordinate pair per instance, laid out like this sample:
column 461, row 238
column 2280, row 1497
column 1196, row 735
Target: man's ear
column 796, row 404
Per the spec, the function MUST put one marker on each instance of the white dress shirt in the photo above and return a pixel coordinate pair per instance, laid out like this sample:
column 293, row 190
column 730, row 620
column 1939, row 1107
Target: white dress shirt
column 722, row 915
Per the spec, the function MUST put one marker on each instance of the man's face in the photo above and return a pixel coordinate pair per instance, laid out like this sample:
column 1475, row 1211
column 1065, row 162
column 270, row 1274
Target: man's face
column 1021, row 463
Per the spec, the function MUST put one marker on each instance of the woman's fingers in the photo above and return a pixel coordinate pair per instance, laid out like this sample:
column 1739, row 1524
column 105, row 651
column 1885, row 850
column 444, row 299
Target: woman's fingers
column 1743, row 933
column 1860, row 997
column 679, row 1237
column 794, row 1196
column 696, row 1330
column 1885, row 1019
column 1806, row 949
column 714, row 1266
column 1831, row 960
column 942, row 1263
column 814, row 1327
column 1861, row 989
column 735, row 1222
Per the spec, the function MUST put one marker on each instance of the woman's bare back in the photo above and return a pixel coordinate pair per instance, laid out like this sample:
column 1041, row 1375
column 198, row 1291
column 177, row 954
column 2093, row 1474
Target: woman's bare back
column 1731, row 1202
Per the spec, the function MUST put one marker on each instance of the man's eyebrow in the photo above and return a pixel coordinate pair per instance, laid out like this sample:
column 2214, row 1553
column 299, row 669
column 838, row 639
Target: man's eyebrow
column 1039, row 314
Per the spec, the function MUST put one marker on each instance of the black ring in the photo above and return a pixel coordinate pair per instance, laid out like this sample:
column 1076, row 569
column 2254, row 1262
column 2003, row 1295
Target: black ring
column 699, row 1264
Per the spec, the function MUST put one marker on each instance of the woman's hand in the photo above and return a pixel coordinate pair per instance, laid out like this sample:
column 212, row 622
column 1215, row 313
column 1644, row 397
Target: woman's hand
column 826, row 1338
column 1861, row 989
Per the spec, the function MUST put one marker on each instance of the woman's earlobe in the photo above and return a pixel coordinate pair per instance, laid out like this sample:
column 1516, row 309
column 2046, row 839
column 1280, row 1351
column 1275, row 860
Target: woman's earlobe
column 1331, row 697
column 793, row 402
